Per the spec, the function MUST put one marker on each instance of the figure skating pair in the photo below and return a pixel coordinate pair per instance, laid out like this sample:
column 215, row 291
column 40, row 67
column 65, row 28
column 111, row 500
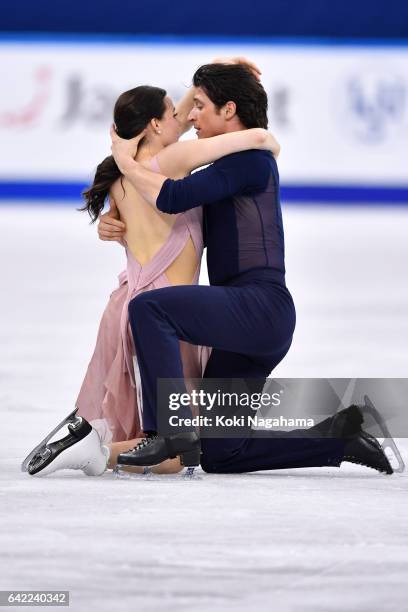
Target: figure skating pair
column 161, row 251
column 246, row 314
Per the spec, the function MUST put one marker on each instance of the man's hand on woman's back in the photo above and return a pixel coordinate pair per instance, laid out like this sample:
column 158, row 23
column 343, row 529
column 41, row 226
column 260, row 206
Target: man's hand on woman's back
column 110, row 227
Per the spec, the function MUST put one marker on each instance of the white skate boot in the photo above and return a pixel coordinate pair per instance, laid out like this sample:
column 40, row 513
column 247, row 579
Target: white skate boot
column 81, row 449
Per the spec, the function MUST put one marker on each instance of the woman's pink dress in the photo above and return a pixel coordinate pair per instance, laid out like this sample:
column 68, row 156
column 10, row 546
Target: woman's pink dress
column 111, row 391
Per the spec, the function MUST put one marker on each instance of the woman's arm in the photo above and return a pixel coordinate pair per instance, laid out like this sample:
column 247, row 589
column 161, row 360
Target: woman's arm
column 181, row 158
column 183, row 109
column 230, row 175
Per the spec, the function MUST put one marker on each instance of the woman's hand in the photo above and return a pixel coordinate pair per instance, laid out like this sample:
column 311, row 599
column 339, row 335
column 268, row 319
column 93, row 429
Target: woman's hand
column 240, row 60
column 123, row 149
column 271, row 144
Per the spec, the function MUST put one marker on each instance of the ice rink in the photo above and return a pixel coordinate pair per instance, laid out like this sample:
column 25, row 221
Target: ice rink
column 315, row 540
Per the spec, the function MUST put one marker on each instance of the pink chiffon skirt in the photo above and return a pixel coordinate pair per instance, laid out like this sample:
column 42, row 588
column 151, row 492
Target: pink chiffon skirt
column 109, row 393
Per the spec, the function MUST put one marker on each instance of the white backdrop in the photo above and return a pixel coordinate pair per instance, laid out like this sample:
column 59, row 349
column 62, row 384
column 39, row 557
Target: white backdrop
column 340, row 113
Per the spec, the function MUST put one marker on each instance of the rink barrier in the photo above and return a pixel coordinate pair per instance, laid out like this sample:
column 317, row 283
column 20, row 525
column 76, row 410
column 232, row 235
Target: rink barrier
column 345, row 131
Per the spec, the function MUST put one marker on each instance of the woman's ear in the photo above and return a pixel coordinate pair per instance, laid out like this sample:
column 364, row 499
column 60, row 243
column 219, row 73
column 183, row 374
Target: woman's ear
column 155, row 126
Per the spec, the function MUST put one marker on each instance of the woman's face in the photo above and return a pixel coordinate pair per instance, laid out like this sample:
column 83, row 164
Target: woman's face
column 169, row 125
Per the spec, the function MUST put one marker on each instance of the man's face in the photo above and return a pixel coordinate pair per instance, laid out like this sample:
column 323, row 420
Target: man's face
column 206, row 118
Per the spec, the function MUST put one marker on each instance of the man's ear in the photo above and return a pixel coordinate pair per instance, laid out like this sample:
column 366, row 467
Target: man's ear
column 230, row 110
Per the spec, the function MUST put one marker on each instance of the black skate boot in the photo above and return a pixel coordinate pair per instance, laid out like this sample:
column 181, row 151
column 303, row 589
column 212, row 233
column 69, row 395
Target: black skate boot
column 370, row 411
column 345, row 423
column 155, row 449
column 360, row 448
column 364, row 449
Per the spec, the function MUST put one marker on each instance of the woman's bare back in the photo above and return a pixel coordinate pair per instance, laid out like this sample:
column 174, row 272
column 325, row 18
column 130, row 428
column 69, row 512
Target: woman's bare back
column 148, row 229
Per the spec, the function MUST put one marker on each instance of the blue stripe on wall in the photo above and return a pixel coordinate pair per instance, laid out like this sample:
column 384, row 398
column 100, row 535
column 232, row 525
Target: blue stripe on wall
column 60, row 192
column 345, row 194
column 95, row 39
column 38, row 190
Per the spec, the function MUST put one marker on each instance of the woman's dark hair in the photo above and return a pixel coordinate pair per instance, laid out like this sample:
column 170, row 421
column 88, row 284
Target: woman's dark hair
column 236, row 83
column 132, row 113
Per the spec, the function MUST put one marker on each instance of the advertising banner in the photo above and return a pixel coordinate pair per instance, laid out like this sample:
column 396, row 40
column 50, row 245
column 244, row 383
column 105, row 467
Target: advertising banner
column 339, row 112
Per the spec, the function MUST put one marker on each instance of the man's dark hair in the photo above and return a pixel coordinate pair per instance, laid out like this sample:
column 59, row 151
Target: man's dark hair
column 236, row 83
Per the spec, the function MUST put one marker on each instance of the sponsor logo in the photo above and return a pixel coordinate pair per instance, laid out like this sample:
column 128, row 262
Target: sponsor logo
column 28, row 114
column 373, row 105
column 92, row 105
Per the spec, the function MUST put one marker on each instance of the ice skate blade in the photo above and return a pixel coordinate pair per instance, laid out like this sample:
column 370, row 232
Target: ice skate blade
column 388, row 442
column 79, row 451
column 41, row 446
column 393, row 456
column 185, row 474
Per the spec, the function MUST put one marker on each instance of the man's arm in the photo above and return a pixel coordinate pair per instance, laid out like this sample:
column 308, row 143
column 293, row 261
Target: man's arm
column 146, row 182
column 225, row 178
column 235, row 174
column 230, row 175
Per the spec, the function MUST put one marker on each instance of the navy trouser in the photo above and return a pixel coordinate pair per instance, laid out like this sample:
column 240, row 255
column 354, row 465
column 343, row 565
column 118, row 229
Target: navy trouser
column 249, row 323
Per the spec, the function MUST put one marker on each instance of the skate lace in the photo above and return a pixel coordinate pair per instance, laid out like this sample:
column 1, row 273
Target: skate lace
column 145, row 442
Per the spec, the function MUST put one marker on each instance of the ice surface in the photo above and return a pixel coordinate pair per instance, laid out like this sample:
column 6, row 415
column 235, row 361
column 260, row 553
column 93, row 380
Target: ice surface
column 317, row 540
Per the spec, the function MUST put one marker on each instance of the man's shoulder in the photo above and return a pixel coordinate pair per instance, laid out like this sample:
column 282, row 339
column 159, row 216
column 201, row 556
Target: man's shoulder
column 252, row 169
column 249, row 156
column 255, row 165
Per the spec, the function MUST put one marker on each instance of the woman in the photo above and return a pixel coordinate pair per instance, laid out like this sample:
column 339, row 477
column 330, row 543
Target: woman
column 161, row 250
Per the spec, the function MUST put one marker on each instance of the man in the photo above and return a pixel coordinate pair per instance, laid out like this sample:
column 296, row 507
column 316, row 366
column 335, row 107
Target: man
column 247, row 313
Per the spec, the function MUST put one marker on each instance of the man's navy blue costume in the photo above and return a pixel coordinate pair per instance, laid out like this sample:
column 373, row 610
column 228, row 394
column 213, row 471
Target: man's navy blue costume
column 246, row 314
